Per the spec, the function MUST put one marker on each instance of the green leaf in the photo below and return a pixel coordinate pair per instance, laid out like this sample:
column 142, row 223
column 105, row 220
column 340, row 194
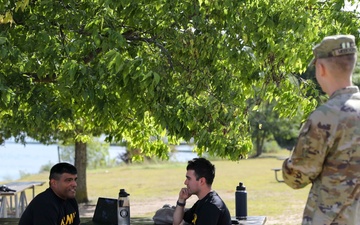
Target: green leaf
column 3, row 40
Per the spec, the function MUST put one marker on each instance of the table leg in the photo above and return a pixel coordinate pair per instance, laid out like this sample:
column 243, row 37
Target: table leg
column 17, row 214
column 3, row 210
column 11, row 202
column 23, row 202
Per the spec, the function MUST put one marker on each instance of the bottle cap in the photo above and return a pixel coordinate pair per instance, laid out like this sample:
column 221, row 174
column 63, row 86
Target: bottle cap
column 123, row 193
column 241, row 187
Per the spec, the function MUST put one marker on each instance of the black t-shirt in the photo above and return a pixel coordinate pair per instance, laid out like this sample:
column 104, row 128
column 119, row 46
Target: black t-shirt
column 211, row 210
column 48, row 209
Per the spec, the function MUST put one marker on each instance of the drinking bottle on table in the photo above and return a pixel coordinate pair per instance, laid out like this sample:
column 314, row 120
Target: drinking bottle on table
column 123, row 210
column 241, row 202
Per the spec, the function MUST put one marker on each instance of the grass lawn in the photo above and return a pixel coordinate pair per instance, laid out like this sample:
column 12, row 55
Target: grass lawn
column 153, row 185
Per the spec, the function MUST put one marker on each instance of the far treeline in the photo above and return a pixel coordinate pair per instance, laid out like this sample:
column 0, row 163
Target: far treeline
column 222, row 72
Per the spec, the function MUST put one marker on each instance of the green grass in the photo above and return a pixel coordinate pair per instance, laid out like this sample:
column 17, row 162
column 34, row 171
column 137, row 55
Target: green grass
column 153, row 185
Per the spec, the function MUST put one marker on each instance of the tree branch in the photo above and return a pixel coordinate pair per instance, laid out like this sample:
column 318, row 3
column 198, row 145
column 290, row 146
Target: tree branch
column 133, row 36
column 37, row 79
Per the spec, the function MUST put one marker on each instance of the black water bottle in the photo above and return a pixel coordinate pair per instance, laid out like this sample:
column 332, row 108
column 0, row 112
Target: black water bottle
column 241, row 202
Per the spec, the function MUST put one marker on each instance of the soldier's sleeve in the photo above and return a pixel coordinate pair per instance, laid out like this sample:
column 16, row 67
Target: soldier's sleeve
column 307, row 158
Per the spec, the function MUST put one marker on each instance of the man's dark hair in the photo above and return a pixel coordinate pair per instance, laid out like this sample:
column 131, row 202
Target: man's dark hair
column 202, row 168
column 61, row 168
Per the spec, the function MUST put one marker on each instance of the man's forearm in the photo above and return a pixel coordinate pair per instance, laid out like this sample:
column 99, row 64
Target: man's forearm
column 179, row 212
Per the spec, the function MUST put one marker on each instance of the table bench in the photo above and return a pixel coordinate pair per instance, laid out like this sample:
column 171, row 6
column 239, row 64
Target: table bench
column 276, row 170
column 19, row 195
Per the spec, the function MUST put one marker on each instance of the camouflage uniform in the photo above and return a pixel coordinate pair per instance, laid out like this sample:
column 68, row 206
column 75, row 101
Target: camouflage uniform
column 327, row 155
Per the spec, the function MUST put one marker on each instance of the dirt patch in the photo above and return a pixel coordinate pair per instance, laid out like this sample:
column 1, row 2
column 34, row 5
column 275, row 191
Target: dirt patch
column 86, row 210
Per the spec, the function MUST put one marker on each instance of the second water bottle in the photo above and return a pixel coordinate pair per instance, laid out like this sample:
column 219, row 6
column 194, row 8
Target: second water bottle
column 241, row 202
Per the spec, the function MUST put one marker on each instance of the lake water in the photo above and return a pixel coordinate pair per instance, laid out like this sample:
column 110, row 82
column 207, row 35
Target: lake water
column 17, row 159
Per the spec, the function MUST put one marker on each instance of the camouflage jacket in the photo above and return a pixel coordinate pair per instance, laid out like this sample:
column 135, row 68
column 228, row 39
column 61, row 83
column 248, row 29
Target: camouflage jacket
column 327, row 155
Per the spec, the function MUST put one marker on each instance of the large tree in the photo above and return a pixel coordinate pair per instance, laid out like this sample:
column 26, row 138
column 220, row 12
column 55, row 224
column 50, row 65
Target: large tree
column 139, row 70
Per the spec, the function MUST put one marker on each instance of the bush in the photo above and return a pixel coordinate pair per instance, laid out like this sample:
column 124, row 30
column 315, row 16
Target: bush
column 271, row 147
column 23, row 174
column 46, row 167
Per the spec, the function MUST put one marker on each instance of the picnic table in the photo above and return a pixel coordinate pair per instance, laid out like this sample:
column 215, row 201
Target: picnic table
column 20, row 201
column 251, row 220
column 276, row 170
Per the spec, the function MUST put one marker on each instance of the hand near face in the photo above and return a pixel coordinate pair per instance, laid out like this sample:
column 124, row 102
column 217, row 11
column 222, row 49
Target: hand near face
column 184, row 194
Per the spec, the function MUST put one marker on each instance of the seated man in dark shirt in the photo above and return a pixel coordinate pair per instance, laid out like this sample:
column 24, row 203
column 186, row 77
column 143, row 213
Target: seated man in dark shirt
column 57, row 204
column 210, row 208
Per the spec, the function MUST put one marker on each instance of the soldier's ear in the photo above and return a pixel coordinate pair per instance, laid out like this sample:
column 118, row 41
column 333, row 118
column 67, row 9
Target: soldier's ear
column 321, row 69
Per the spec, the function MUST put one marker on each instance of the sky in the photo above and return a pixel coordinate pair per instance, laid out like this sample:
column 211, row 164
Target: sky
column 349, row 7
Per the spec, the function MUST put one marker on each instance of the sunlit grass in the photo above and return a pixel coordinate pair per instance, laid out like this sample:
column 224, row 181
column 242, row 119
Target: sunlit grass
column 161, row 182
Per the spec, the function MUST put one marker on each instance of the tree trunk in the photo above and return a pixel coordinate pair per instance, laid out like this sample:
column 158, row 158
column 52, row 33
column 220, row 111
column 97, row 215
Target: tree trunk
column 80, row 164
column 259, row 142
column 260, row 146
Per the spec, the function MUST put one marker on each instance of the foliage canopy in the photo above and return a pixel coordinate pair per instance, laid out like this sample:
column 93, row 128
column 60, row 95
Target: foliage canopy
column 145, row 70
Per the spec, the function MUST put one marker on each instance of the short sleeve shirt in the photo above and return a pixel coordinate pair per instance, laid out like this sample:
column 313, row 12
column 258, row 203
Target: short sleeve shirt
column 47, row 208
column 211, row 210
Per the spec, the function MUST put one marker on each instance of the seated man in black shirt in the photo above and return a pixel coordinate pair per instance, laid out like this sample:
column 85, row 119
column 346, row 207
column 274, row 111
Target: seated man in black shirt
column 210, row 208
column 57, row 204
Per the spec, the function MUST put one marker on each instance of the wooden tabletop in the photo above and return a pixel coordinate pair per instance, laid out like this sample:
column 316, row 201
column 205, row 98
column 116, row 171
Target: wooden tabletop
column 251, row 220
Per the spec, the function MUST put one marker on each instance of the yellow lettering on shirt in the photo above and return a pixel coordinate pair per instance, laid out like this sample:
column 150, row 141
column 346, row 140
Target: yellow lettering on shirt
column 68, row 219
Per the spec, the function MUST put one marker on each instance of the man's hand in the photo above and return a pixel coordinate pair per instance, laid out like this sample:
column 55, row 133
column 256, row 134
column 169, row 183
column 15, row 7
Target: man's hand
column 184, row 194
column 179, row 210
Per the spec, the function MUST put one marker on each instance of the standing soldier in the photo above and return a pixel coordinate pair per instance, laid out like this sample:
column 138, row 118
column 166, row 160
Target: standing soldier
column 327, row 153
